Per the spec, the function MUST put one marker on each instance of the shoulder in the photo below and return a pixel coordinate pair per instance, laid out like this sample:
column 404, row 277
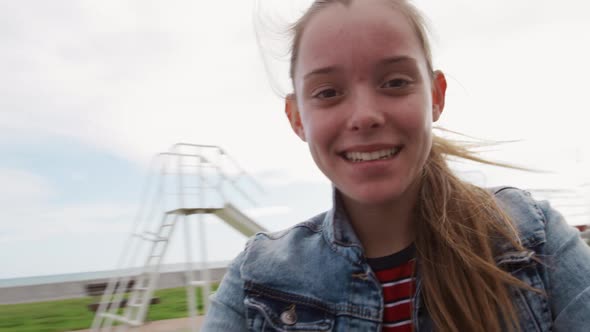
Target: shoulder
column 292, row 246
column 527, row 214
column 537, row 222
column 284, row 239
column 518, row 203
column 565, row 258
column 288, row 259
column 311, row 226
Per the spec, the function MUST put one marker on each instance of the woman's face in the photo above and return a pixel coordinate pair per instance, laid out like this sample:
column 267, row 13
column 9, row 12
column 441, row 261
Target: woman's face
column 364, row 100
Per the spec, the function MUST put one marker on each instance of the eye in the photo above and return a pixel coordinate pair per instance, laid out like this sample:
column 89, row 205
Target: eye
column 396, row 83
column 326, row 94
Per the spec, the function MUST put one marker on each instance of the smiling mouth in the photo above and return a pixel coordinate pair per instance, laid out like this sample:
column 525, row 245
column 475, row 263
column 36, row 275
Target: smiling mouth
column 359, row 157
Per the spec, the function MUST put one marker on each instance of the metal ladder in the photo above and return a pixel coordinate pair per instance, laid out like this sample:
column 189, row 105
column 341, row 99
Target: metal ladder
column 131, row 312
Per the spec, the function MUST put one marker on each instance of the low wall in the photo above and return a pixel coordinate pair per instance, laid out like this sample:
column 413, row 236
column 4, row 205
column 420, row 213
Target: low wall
column 76, row 289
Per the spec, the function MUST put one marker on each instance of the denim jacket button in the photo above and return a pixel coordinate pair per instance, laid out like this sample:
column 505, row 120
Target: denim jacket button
column 289, row 316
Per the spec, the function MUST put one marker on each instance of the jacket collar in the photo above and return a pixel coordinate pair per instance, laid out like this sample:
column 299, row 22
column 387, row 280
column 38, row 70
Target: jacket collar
column 338, row 230
column 340, row 235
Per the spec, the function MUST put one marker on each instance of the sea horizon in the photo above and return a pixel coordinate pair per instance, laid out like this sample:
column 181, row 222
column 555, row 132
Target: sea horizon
column 92, row 275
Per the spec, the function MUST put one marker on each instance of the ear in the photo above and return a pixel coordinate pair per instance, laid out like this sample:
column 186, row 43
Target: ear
column 292, row 112
column 439, row 90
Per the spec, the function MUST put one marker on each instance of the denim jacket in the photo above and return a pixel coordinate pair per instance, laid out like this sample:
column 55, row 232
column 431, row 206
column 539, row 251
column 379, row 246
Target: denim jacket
column 314, row 277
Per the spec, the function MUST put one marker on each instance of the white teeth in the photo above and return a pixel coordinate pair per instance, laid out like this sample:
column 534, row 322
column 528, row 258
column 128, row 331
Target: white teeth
column 368, row 156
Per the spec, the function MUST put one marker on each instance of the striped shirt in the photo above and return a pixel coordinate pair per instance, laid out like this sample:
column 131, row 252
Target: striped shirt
column 395, row 272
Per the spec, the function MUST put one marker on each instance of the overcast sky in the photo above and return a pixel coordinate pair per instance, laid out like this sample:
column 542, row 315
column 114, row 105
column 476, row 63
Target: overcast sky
column 90, row 90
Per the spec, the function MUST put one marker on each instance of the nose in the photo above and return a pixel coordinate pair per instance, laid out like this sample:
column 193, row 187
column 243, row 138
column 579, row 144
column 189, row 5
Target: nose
column 366, row 113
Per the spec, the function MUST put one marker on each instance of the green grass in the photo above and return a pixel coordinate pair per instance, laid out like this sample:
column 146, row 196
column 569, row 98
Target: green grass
column 65, row 315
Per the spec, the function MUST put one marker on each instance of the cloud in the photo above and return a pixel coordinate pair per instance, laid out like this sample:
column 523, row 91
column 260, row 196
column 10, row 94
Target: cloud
column 20, row 188
column 42, row 221
column 267, row 211
column 30, row 212
column 135, row 78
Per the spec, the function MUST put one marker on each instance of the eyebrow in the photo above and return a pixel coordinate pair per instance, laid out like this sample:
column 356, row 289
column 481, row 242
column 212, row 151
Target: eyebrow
column 384, row 62
column 396, row 59
column 320, row 71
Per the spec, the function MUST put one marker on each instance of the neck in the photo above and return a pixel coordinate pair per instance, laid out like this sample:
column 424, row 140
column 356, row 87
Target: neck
column 383, row 228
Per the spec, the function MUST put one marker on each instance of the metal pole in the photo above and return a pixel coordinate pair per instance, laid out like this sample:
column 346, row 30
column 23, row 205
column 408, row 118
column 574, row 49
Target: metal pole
column 205, row 275
column 190, row 293
column 189, row 275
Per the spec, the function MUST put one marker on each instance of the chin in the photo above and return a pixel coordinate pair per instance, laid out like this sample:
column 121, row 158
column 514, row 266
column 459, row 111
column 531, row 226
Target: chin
column 373, row 195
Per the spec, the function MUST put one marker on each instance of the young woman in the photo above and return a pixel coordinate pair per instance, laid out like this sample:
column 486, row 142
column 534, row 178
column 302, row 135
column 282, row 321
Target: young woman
column 407, row 246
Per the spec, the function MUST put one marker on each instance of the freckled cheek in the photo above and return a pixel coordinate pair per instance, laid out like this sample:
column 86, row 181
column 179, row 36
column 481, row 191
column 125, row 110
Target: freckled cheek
column 412, row 119
column 319, row 131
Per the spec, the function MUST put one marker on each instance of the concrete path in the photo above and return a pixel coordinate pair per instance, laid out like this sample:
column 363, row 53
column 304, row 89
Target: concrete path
column 168, row 325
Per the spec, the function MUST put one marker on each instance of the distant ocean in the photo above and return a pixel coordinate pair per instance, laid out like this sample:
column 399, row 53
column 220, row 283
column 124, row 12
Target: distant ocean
column 82, row 276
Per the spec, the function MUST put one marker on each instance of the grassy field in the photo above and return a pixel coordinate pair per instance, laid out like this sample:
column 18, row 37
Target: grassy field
column 65, row 315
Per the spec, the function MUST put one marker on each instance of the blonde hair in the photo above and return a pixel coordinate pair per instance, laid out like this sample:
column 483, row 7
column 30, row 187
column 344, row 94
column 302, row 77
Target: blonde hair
column 457, row 224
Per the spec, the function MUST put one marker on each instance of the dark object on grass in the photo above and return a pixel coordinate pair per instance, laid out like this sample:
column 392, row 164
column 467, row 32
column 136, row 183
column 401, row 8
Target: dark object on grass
column 97, row 290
